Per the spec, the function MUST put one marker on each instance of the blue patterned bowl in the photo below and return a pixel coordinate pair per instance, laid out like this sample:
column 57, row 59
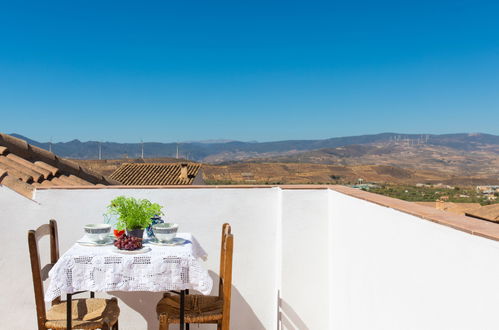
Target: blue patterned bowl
column 97, row 232
column 165, row 231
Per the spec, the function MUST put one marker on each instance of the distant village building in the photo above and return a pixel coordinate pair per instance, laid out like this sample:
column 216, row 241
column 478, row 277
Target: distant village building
column 24, row 167
column 158, row 174
column 441, row 185
column 365, row 186
column 489, row 189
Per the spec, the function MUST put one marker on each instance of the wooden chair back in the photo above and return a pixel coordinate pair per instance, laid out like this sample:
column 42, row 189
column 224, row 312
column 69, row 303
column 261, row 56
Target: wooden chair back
column 226, row 273
column 226, row 229
column 41, row 273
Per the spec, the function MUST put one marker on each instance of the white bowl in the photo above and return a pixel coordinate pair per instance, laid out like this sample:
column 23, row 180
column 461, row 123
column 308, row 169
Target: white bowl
column 97, row 232
column 165, row 232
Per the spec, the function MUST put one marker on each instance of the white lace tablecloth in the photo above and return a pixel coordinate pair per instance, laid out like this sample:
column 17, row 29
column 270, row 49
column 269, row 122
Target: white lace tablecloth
column 164, row 268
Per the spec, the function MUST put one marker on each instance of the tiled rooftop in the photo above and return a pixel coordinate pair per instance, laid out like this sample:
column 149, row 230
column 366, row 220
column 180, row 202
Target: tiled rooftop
column 148, row 174
column 24, row 167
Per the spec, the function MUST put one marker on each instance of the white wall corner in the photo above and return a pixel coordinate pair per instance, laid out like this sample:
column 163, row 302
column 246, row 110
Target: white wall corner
column 278, row 251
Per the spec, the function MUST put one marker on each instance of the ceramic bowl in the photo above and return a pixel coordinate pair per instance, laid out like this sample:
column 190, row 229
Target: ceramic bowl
column 165, row 232
column 97, row 232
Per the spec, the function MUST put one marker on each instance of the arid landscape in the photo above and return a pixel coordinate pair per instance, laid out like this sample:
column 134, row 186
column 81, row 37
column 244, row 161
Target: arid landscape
column 396, row 162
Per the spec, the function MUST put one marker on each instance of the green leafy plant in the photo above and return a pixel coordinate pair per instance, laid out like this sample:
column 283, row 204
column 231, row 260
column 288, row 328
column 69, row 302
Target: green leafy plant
column 133, row 213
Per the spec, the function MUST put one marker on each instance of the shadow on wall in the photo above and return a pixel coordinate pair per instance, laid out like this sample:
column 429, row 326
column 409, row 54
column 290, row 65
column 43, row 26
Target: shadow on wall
column 241, row 314
column 144, row 303
column 289, row 319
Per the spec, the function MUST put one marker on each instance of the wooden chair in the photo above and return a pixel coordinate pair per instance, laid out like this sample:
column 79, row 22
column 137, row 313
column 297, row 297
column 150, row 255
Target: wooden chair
column 89, row 313
column 199, row 308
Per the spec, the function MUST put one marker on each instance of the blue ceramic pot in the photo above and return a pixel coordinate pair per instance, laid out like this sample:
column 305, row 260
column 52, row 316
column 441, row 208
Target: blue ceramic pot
column 154, row 221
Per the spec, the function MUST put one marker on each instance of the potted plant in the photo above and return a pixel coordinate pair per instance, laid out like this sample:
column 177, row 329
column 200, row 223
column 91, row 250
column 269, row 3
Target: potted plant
column 134, row 215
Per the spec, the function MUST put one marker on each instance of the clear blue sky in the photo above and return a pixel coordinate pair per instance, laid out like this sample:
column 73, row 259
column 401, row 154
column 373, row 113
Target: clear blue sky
column 247, row 70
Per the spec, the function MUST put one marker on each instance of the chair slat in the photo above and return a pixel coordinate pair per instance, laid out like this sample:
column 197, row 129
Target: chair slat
column 45, row 271
column 41, row 231
column 54, row 241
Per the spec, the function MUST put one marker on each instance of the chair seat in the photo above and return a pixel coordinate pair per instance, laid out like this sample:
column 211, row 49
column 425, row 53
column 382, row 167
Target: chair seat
column 89, row 313
column 198, row 309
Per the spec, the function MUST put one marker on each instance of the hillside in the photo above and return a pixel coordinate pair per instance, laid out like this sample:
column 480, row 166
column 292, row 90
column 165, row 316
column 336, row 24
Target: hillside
column 480, row 162
column 303, row 173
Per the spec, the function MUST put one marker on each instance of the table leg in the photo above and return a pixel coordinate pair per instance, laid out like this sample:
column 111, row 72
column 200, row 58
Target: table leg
column 187, row 325
column 182, row 309
column 69, row 317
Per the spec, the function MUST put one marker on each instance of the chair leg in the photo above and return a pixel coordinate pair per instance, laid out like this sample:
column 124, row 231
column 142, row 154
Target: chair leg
column 163, row 325
column 115, row 326
column 219, row 325
column 224, row 324
column 105, row 326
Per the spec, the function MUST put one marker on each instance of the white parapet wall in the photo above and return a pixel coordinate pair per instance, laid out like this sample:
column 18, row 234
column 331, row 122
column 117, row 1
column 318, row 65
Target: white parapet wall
column 393, row 271
column 303, row 259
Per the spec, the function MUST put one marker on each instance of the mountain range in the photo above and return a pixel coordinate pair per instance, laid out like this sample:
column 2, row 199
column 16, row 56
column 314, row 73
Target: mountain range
column 289, row 150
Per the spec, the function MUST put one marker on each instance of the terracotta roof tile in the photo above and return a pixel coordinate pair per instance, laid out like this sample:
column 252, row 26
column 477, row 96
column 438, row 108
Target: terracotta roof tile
column 76, row 181
column 24, row 167
column 36, row 171
column 14, row 172
column 18, row 186
column 52, row 169
column 156, row 174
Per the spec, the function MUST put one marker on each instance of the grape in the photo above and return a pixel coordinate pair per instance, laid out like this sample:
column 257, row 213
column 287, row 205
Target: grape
column 128, row 243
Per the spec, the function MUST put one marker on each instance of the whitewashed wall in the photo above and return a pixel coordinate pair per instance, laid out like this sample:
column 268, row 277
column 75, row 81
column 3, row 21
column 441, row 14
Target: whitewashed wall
column 393, row 271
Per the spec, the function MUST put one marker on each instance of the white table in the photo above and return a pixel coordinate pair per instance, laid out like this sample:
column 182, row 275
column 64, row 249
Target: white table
column 102, row 268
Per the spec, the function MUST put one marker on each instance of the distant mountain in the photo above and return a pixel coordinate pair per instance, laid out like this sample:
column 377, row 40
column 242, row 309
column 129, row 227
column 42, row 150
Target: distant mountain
column 210, row 141
column 224, row 151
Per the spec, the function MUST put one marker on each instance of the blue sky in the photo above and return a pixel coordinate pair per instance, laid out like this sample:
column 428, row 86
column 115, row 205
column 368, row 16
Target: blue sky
column 247, row 70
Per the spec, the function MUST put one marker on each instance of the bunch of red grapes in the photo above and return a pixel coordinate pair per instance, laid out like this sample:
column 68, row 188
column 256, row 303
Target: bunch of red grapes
column 125, row 242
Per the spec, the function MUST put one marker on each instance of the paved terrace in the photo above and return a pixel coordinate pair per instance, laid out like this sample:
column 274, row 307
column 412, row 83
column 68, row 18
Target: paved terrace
column 306, row 257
